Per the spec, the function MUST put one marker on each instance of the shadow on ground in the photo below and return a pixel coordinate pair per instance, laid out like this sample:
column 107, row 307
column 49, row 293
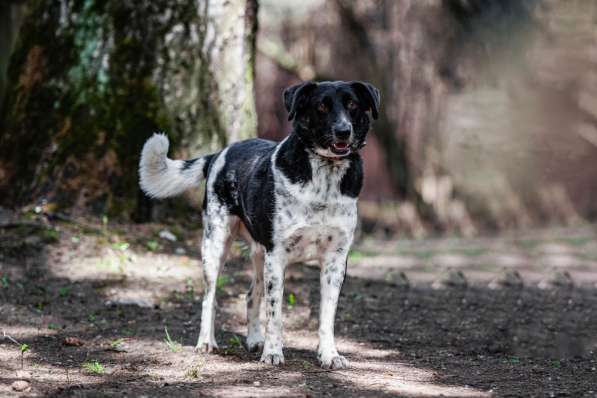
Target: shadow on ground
column 457, row 341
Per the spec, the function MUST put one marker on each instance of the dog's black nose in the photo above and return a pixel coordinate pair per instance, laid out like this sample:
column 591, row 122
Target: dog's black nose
column 342, row 133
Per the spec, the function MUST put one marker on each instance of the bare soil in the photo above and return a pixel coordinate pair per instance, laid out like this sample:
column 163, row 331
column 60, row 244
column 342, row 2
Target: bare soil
column 92, row 303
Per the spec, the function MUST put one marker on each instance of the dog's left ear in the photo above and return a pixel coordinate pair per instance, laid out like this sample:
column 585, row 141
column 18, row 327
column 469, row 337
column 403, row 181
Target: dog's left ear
column 369, row 95
column 294, row 97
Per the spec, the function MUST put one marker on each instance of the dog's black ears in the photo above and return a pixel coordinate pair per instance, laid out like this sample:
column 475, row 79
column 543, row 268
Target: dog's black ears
column 369, row 95
column 294, row 97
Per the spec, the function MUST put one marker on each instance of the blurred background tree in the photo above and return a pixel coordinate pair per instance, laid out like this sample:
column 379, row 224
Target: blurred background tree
column 89, row 81
column 488, row 118
column 489, row 114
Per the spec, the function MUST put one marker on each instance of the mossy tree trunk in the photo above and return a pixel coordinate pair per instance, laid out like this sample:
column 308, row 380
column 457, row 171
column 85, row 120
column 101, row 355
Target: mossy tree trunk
column 90, row 80
column 11, row 16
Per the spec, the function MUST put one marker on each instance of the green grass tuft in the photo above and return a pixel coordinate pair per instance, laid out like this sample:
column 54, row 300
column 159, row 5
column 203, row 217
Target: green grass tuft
column 172, row 345
column 291, row 300
column 94, row 367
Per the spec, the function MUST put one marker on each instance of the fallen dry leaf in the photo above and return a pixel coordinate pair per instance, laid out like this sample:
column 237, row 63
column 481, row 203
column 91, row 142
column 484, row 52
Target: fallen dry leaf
column 72, row 341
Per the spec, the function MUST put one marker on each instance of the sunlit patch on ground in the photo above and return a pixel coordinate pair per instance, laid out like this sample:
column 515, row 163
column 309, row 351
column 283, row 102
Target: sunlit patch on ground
column 94, row 311
column 402, row 379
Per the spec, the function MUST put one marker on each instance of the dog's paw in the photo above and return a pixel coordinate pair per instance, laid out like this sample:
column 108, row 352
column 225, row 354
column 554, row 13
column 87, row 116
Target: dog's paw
column 255, row 342
column 207, row 345
column 272, row 358
column 333, row 361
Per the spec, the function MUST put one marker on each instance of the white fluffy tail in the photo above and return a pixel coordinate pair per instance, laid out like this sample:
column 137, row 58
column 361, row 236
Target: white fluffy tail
column 161, row 177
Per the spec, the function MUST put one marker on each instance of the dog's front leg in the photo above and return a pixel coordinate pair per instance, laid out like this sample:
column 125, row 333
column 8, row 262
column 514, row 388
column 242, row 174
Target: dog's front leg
column 332, row 276
column 274, row 266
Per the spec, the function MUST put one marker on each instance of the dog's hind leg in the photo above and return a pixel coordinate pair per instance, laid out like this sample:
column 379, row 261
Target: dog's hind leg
column 218, row 232
column 254, row 296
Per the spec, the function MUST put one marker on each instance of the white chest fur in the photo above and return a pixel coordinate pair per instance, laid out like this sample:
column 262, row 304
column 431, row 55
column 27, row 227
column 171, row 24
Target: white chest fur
column 315, row 218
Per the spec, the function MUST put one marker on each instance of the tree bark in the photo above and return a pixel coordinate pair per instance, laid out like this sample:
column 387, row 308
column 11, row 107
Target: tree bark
column 11, row 16
column 90, row 80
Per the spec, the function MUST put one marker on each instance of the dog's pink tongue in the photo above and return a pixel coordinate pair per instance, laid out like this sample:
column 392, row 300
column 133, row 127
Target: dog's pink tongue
column 340, row 145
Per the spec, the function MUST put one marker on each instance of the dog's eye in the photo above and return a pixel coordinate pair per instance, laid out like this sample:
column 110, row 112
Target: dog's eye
column 322, row 107
column 351, row 105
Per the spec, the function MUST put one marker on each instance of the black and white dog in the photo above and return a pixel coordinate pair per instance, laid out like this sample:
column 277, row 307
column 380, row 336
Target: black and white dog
column 293, row 201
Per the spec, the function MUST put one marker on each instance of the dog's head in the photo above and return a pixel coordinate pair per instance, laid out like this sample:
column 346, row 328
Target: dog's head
column 332, row 118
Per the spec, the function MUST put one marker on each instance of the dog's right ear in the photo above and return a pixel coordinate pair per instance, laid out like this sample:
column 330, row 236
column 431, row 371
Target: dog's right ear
column 294, row 97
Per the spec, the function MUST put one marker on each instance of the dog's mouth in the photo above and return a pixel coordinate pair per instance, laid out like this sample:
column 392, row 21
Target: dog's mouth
column 340, row 148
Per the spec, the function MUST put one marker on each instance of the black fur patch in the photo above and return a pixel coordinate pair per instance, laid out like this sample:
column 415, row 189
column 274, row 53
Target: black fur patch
column 246, row 186
column 352, row 182
column 293, row 161
column 207, row 165
column 187, row 164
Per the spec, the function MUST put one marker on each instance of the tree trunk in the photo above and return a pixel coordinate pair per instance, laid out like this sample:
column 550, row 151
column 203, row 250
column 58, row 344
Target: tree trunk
column 90, row 80
column 11, row 16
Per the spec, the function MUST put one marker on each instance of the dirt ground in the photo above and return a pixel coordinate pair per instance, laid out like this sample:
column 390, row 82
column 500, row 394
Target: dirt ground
column 511, row 316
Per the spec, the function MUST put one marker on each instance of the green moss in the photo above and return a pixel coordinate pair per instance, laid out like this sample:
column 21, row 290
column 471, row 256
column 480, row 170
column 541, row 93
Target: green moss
column 88, row 87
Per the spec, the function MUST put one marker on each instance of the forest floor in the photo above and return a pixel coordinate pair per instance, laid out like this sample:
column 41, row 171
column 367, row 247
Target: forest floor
column 89, row 304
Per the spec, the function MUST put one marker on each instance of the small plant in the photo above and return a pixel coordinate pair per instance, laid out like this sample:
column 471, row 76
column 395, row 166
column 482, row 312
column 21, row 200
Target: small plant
column 4, row 281
column 64, row 291
column 122, row 246
column 75, row 239
column 104, row 223
column 39, row 307
column 91, row 317
column 235, row 342
column 356, row 255
column 178, row 296
column 117, row 345
column 190, row 289
column 122, row 257
column 307, row 365
column 194, row 372
column 24, row 348
column 291, row 300
column 94, row 367
column 244, row 250
column 222, row 281
column 172, row 345
column 51, row 235
column 152, row 245
column 357, row 296
column 53, row 326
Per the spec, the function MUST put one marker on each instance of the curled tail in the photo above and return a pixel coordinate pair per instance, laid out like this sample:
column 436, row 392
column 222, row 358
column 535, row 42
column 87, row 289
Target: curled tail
column 161, row 177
